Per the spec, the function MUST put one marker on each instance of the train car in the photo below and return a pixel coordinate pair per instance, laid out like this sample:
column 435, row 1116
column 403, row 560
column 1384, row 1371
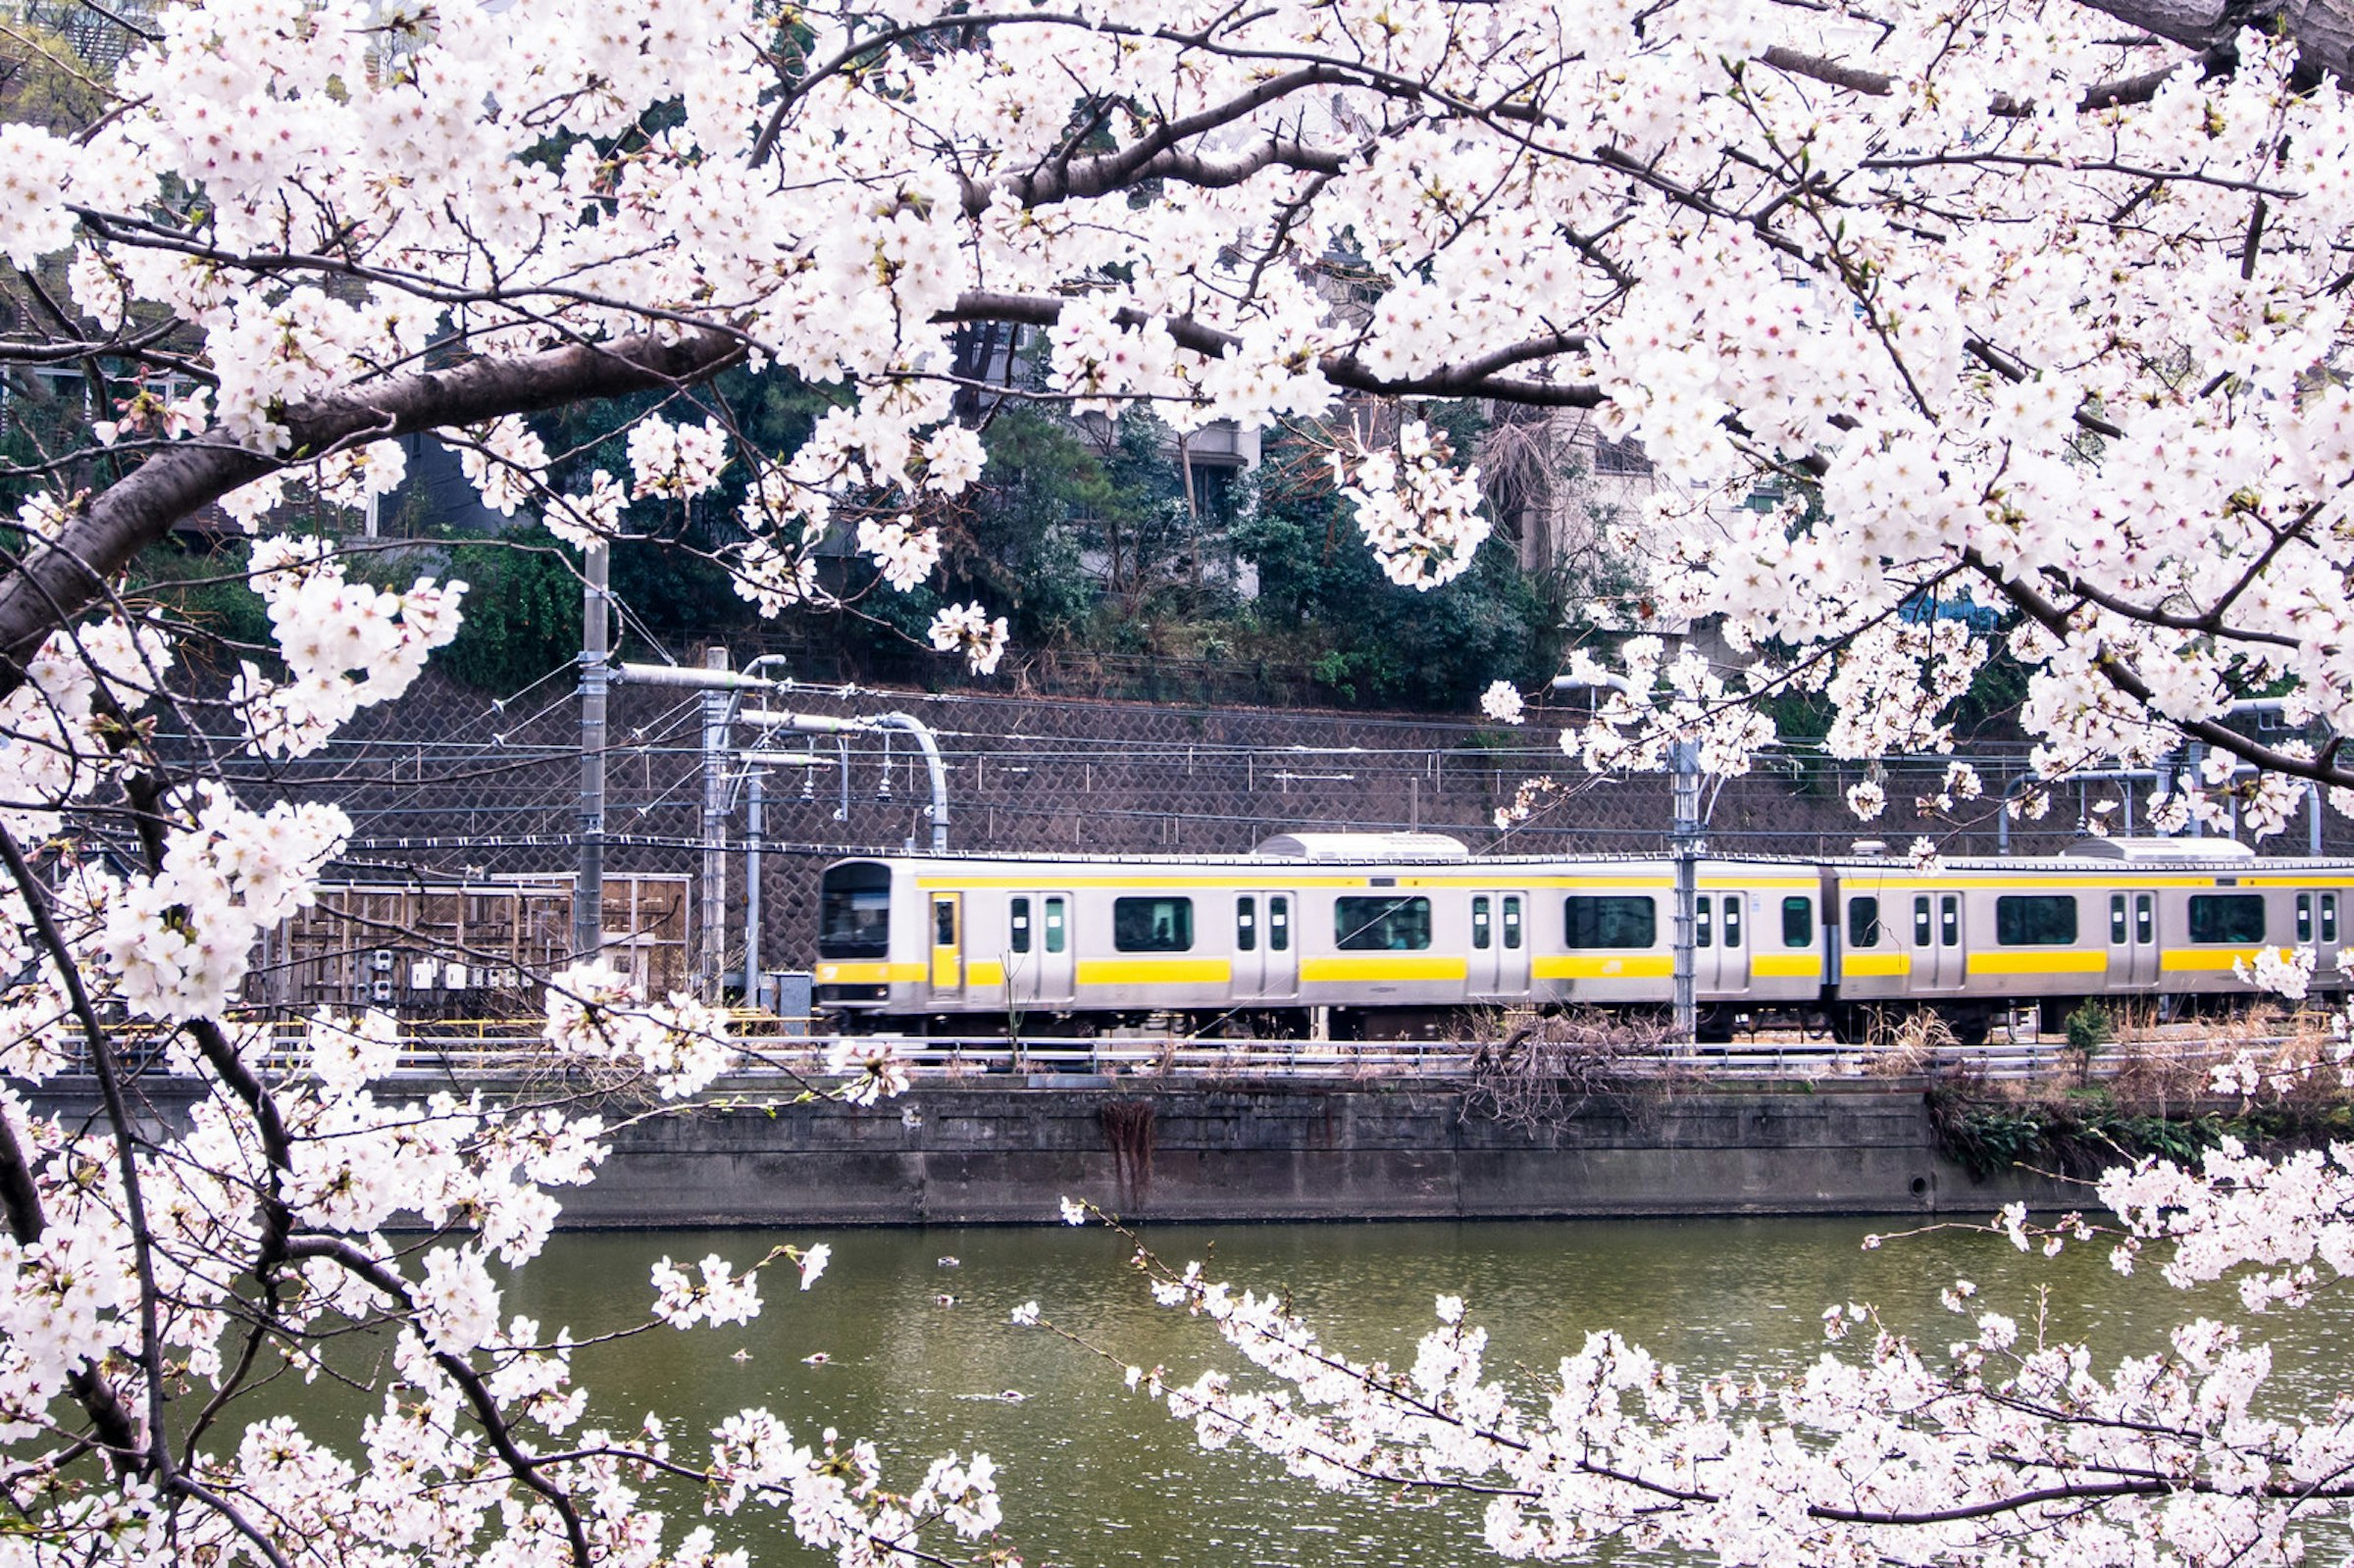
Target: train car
column 1391, row 935
column 2165, row 922
column 1388, row 935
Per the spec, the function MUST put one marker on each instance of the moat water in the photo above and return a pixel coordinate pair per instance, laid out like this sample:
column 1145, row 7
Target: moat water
column 919, row 1353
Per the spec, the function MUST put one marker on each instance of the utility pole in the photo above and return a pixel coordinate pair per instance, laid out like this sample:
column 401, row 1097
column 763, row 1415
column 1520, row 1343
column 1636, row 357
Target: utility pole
column 589, row 889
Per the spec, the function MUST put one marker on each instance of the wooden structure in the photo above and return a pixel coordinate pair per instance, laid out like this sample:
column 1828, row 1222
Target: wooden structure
column 473, row 949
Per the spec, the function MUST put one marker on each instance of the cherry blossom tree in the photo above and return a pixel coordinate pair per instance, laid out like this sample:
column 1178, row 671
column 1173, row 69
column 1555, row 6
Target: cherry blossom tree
column 2039, row 304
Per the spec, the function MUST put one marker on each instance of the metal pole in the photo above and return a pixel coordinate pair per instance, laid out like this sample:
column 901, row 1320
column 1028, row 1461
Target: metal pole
column 1684, row 757
column 711, row 969
column 753, row 824
column 589, row 888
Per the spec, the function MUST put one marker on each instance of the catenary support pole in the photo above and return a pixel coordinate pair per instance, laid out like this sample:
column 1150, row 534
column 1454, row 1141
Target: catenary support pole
column 718, row 706
column 1684, row 758
column 1684, row 849
column 589, row 888
column 754, row 812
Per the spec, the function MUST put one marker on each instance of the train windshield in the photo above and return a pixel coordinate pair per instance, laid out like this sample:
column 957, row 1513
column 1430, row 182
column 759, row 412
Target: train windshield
column 854, row 911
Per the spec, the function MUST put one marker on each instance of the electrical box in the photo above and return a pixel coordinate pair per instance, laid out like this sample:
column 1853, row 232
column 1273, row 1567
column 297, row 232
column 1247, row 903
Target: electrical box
column 381, row 961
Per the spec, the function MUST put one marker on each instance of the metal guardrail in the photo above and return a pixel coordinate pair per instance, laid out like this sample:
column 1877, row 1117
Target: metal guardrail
column 790, row 1048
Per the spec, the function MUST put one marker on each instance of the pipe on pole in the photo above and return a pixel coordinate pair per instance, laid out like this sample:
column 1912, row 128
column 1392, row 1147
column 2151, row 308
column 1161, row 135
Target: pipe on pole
column 589, row 887
column 826, row 725
column 2027, row 781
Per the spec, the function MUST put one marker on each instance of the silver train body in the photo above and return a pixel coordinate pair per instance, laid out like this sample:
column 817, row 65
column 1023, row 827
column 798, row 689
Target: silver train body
column 1397, row 933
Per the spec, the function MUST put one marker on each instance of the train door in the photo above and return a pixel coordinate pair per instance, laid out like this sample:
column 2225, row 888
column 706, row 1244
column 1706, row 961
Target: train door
column 1938, row 960
column 1038, row 959
column 1499, row 959
column 2133, row 941
column 1720, row 942
column 947, row 944
column 1266, row 949
column 2325, row 939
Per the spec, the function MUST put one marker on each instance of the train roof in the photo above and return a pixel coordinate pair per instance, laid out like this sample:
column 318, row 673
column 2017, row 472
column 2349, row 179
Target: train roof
column 2173, row 851
column 1383, row 846
column 1363, row 852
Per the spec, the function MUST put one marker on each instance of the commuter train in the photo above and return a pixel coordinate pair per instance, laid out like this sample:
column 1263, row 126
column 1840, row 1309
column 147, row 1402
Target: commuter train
column 1398, row 935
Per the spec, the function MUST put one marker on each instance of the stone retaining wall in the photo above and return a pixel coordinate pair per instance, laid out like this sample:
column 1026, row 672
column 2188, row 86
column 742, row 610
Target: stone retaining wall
column 1340, row 1151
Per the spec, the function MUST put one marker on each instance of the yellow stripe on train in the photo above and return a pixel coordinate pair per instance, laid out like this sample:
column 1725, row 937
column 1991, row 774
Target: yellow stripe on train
column 1597, row 966
column 868, row 972
column 2176, row 960
column 1154, row 970
column 1384, row 965
column 2041, row 961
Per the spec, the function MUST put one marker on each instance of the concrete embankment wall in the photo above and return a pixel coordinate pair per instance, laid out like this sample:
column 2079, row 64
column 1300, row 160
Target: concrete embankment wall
column 1297, row 1153
column 1293, row 1151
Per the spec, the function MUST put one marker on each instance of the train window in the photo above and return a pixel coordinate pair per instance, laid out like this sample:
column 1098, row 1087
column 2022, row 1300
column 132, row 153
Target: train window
column 2036, row 920
column 1732, row 921
column 944, row 923
column 1381, row 925
column 2303, row 917
column 1798, row 923
column 2227, row 918
column 1156, row 925
column 1019, row 918
column 1949, row 920
column 854, row 911
column 1920, row 923
column 1279, row 925
column 1479, row 922
column 1703, row 930
column 1864, row 923
column 1245, row 925
column 1614, row 921
column 2145, row 917
column 2329, row 917
column 1055, row 934
column 1512, row 922
column 2116, row 919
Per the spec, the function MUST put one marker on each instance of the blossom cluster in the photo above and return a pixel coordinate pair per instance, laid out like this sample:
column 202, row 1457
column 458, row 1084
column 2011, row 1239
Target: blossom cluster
column 346, row 645
column 1419, row 513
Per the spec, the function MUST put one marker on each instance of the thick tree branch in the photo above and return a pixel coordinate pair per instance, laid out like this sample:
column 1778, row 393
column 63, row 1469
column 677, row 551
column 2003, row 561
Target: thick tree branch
column 1471, row 377
column 2046, row 612
column 63, row 577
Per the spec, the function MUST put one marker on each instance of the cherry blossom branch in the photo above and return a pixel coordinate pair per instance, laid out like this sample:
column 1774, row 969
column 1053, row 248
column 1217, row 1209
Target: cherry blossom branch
column 485, row 1406
column 99, row 541
column 2047, row 614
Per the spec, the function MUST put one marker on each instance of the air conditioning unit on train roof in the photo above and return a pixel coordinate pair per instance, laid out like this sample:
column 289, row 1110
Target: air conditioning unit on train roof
column 1363, row 846
column 2175, row 849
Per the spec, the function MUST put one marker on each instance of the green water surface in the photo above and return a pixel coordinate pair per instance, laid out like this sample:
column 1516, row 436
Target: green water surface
column 919, row 1353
